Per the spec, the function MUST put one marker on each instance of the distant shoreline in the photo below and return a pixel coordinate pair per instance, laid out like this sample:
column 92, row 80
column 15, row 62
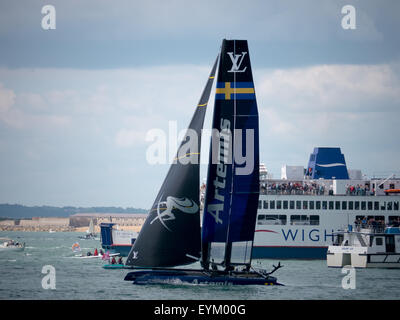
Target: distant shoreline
column 60, row 228
column 40, row 229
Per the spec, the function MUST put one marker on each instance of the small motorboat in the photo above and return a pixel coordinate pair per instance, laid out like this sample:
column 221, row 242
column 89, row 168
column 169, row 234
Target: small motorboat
column 7, row 244
column 366, row 247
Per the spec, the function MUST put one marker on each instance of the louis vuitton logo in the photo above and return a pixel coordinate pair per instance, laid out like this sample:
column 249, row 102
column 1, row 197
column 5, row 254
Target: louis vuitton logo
column 237, row 60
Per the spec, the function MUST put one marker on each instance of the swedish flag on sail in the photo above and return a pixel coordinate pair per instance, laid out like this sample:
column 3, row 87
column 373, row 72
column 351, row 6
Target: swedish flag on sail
column 228, row 90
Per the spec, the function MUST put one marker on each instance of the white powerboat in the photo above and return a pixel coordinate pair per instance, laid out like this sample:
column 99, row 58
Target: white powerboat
column 7, row 244
column 368, row 246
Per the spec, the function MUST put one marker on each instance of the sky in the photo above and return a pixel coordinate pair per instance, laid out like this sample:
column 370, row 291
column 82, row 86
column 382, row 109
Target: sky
column 77, row 102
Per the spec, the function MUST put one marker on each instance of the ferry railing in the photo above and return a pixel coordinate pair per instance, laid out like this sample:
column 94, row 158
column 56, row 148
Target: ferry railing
column 372, row 227
column 310, row 192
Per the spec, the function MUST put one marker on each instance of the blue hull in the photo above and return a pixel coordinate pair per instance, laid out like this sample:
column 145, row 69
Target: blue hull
column 289, row 252
column 114, row 266
column 181, row 276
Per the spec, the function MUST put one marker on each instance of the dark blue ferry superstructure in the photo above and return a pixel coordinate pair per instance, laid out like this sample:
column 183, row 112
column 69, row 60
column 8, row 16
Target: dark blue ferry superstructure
column 327, row 163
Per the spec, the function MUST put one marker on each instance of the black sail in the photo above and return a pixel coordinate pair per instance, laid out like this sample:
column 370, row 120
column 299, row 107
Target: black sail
column 170, row 235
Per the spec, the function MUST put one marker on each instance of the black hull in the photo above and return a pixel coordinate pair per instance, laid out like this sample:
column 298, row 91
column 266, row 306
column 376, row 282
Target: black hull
column 193, row 276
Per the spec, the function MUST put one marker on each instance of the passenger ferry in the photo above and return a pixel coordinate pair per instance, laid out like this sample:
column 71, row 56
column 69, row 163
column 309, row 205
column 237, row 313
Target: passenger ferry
column 299, row 213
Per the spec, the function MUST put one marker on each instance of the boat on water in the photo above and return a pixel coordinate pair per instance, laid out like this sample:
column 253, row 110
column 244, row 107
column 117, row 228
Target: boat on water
column 115, row 266
column 171, row 235
column 7, row 244
column 299, row 213
column 369, row 245
column 115, row 240
column 90, row 234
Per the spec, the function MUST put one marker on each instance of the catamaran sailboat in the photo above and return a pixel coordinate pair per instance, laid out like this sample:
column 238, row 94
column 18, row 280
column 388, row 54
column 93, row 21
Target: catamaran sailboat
column 171, row 234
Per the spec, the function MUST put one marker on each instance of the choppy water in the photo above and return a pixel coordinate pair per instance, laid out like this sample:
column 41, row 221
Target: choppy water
column 21, row 277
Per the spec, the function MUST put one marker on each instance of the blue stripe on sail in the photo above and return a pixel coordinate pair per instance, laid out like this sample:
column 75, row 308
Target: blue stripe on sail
column 239, row 96
column 244, row 84
column 236, row 84
column 244, row 96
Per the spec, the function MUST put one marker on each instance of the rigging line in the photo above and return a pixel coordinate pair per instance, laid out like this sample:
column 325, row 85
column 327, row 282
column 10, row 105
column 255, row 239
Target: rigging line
column 233, row 162
column 187, row 154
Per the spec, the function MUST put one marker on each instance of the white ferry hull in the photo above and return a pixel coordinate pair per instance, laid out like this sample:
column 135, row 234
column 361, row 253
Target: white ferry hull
column 288, row 239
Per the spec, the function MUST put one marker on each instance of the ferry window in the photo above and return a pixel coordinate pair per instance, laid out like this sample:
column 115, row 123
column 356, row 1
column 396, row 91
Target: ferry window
column 272, row 219
column 294, row 219
column 285, row 204
column 351, row 205
column 356, row 205
column 299, row 220
column 305, row 205
column 330, row 205
column 314, row 220
column 383, row 205
column 344, row 205
column 291, row 204
column 389, row 205
column 298, row 205
column 311, row 204
column 376, row 205
column 324, row 205
column 379, row 218
column 318, row 205
column 395, row 205
column 363, row 205
column 259, row 204
column 278, row 204
column 265, row 204
column 272, row 204
column 282, row 218
column 337, row 205
column 379, row 241
column 369, row 205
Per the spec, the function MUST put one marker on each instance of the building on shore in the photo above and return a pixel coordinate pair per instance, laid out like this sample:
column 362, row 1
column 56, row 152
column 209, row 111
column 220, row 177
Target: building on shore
column 36, row 224
column 123, row 220
column 75, row 222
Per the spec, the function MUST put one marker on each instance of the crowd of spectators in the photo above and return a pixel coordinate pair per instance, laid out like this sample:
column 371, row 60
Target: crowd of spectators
column 358, row 190
column 292, row 188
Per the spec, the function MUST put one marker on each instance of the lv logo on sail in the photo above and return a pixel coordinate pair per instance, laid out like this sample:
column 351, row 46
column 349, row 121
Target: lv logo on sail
column 236, row 63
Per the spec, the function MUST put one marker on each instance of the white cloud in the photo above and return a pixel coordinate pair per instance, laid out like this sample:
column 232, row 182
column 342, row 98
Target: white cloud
column 350, row 106
column 7, row 99
column 314, row 98
column 104, row 115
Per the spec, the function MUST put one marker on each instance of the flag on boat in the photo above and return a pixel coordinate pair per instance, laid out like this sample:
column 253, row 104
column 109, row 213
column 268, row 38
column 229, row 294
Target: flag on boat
column 106, row 256
column 76, row 247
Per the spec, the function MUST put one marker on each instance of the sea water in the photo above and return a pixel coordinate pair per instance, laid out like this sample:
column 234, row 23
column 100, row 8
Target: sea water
column 21, row 277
